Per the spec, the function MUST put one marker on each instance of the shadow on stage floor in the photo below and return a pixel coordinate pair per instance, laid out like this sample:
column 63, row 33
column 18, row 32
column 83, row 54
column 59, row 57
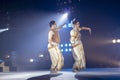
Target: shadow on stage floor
column 45, row 77
column 99, row 74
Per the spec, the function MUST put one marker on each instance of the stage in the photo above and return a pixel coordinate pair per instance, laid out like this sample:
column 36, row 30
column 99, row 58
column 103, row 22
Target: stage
column 67, row 74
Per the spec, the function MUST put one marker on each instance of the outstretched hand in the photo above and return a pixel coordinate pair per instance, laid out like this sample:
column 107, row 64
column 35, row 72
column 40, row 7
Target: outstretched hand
column 90, row 31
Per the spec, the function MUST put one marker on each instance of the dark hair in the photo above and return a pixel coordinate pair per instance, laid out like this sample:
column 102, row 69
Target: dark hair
column 75, row 21
column 51, row 23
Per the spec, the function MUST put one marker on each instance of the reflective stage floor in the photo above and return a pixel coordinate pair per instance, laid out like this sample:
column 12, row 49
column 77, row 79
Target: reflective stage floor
column 67, row 74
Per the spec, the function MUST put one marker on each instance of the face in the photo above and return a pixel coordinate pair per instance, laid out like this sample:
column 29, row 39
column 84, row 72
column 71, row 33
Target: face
column 54, row 26
column 77, row 24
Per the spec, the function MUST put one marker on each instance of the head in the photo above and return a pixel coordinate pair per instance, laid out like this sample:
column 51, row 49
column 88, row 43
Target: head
column 52, row 24
column 76, row 24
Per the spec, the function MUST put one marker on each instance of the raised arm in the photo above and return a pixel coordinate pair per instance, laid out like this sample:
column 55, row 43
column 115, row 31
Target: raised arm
column 61, row 26
column 86, row 28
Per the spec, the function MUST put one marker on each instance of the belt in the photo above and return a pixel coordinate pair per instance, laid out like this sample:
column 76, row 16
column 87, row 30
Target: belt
column 51, row 47
column 75, row 45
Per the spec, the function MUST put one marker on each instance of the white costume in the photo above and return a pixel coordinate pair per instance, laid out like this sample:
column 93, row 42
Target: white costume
column 78, row 51
column 55, row 53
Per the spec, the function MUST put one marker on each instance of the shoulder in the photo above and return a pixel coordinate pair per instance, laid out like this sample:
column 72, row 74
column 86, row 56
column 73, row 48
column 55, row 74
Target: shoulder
column 51, row 32
column 72, row 32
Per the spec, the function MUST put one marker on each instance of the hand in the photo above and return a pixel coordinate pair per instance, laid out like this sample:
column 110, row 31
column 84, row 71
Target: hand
column 89, row 30
column 58, row 28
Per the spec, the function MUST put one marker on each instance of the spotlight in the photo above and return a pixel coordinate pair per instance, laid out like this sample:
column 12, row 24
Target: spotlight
column 41, row 55
column 7, row 56
column 61, row 45
column 118, row 40
column 2, row 30
column 66, row 50
column 61, row 50
column 66, row 45
column 7, row 28
column 31, row 60
column 64, row 17
column 70, row 49
column 69, row 25
column 114, row 41
column 69, row 44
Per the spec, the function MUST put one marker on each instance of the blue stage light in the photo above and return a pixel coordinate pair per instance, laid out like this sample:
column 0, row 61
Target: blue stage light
column 66, row 45
column 69, row 25
column 70, row 49
column 61, row 50
column 66, row 50
column 61, row 45
column 69, row 44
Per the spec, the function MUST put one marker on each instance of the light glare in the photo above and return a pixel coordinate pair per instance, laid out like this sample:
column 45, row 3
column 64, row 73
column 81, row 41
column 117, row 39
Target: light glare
column 31, row 60
column 114, row 41
column 118, row 40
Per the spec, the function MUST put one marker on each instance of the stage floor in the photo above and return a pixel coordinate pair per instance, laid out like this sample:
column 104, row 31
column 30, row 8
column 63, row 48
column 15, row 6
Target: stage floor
column 67, row 74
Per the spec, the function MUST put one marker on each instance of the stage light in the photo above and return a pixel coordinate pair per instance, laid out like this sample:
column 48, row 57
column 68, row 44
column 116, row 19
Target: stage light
column 65, row 15
column 31, row 60
column 66, row 45
column 63, row 18
column 41, row 55
column 69, row 44
column 69, row 25
column 7, row 28
column 61, row 50
column 70, row 49
column 61, row 45
column 7, row 56
column 118, row 40
column 114, row 41
column 2, row 30
column 66, row 50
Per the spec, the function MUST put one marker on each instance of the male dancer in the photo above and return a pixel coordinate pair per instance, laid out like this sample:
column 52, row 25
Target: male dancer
column 78, row 51
column 53, row 47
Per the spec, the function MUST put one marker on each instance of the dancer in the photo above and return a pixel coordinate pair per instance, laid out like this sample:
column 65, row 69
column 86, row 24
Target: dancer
column 53, row 47
column 78, row 51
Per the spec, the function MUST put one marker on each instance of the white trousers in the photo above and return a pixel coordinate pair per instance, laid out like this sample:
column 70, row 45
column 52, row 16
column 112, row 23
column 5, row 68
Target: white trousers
column 56, row 58
column 79, row 57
